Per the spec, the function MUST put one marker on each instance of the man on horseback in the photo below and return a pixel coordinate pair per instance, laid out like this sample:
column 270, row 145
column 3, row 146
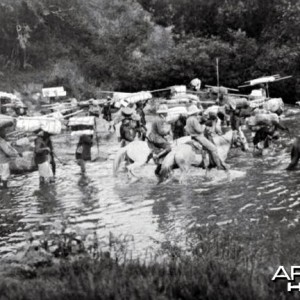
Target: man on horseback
column 196, row 130
column 157, row 137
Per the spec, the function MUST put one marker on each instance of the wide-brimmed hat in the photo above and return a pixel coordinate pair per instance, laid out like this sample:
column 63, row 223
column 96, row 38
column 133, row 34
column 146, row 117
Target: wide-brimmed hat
column 127, row 111
column 192, row 110
column 162, row 109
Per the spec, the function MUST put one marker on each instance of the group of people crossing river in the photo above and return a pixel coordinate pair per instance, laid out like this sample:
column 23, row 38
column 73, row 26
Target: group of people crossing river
column 200, row 129
column 195, row 137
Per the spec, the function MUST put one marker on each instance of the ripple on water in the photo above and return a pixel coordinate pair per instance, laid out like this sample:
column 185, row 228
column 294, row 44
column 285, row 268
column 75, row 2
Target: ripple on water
column 149, row 212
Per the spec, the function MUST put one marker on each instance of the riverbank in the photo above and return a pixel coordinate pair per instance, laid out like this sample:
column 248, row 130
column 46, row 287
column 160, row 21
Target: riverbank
column 220, row 264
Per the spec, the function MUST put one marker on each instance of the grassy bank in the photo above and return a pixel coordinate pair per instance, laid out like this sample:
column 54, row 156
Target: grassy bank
column 104, row 278
column 218, row 263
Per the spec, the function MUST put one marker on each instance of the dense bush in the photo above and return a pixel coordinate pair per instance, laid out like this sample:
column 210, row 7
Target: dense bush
column 136, row 45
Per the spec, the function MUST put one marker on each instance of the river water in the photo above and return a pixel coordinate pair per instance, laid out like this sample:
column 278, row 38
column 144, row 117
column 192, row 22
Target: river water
column 144, row 212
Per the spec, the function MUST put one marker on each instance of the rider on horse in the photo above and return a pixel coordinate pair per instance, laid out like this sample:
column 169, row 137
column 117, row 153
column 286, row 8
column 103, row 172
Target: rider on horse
column 159, row 131
column 196, row 130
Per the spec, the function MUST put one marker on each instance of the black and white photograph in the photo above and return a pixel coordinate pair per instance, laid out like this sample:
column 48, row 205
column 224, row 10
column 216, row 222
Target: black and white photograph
column 149, row 149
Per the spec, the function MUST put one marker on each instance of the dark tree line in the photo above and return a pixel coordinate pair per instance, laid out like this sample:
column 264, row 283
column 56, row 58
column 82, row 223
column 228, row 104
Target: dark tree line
column 132, row 45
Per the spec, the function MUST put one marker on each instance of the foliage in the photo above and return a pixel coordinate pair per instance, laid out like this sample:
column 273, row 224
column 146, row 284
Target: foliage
column 218, row 263
column 134, row 45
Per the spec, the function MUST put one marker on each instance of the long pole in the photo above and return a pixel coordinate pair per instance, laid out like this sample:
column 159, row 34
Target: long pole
column 218, row 79
column 267, row 90
column 97, row 138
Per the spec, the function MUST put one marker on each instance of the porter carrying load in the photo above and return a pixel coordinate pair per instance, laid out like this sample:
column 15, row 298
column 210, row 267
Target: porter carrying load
column 32, row 124
column 174, row 113
column 268, row 119
column 82, row 125
column 134, row 98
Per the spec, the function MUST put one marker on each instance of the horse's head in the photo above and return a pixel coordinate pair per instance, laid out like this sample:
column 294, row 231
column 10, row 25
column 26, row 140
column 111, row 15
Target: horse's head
column 239, row 140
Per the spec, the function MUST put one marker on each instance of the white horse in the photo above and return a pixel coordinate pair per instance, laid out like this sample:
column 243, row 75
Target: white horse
column 138, row 152
column 184, row 156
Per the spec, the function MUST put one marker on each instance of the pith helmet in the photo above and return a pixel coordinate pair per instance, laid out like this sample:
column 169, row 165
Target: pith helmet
column 192, row 110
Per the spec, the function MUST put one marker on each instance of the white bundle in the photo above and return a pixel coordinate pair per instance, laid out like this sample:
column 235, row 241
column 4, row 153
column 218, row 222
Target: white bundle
column 175, row 112
column 99, row 101
column 123, row 99
column 192, row 97
column 117, row 97
column 263, row 119
column 196, row 83
column 178, row 89
column 257, row 102
column 219, row 90
column 262, row 80
column 9, row 96
column 259, row 111
column 87, row 121
column 256, row 93
column 238, row 102
column 22, row 142
column 6, row 121
column 57, row 115
column 50, row 125
column 178, row 100
column 140, row 96
column 82, row 132
column 214, row 109
column 28, row 124
column 274, row 104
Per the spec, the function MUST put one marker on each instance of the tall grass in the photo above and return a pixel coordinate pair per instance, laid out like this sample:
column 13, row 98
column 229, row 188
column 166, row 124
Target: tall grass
column 217, row 263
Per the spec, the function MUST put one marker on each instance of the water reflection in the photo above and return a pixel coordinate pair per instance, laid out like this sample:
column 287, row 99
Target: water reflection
column 47, row 199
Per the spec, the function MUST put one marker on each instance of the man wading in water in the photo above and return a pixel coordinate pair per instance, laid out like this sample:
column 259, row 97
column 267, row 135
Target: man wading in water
column 44, row 156
column 6, row 154
column 127, row 129
column 83, row 151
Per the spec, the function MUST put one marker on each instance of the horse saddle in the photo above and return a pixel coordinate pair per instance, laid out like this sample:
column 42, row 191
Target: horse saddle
column 198, row 149
column 196, row 146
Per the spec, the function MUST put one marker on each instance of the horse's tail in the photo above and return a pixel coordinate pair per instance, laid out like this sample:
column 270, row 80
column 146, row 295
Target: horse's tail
column 295, row 155
column 120, row 156
column 167, row 166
